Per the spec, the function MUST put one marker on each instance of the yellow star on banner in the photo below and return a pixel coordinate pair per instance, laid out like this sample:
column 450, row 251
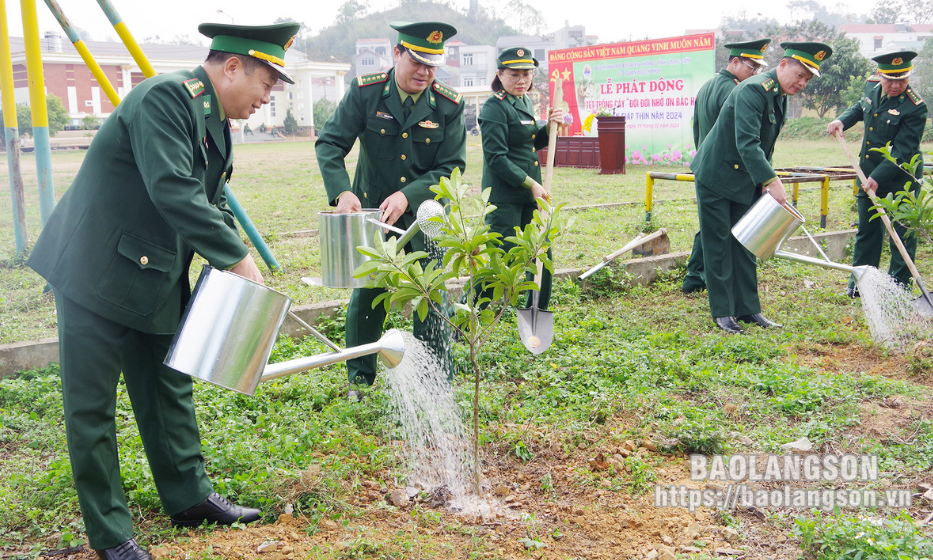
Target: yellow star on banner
column 567, row 74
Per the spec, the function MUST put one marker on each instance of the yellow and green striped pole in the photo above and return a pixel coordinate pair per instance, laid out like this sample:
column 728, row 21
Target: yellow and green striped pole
column 127, row 37
column 84, row 52
column 40, row 113
column 11, row 137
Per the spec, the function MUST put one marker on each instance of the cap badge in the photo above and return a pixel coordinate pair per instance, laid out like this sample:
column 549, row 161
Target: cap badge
column 520, row 52
column 897, row 61
column 289, row 43
column 820, row 55
column 764, row 48
column 436, row 38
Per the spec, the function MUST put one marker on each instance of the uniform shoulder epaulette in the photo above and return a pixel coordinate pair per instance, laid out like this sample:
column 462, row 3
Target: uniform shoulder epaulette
column 369, row 79
column 914, row 96
column 194, row 86
column 448, row 92
column 768, row 84
column 500, row 95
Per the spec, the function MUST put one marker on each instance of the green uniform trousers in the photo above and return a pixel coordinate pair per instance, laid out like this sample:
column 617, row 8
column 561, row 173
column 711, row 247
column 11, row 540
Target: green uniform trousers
column 870, row 237
column 93, row 352
column 731, row 273
column 503, row 220
column 364, row 325
column 696, row 274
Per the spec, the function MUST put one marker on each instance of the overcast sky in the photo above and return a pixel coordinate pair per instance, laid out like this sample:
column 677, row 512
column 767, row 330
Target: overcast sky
column 606, row 18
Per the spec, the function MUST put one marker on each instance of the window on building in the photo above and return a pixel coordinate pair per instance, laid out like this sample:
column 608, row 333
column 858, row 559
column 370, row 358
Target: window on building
column 272, row 108
column 481, row 81
column 468, row 59
column 878, row 42
column 368, row 62
column 467, row 82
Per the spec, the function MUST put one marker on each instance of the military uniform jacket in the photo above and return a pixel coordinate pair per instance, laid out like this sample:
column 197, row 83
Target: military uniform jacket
column 149, row 194
column 735, row 158
column 898, row 120
column 709, row 102
column 396, row 154
column 511, row 139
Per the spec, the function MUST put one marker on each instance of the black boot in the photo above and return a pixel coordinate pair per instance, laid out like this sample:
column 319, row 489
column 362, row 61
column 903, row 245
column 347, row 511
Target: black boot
column 215, row 509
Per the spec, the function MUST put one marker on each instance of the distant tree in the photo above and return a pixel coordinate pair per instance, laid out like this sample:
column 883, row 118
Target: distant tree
column 90, row 121
column 524, row 17
column 323, row 109
column 291, row 124
column 902, row 11
column 922, row 78
column 351, row 10
column 58, row 116
column 812, row 9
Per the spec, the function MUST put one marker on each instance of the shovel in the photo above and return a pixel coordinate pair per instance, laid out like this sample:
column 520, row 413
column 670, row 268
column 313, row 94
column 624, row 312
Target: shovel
column 536, row 326
column 923, row 304
column 639, row 240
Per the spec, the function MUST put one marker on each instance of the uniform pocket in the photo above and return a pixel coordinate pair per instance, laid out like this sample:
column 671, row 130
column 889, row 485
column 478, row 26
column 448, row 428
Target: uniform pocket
column 425, row 142
column 380, row 138
column 137, row 274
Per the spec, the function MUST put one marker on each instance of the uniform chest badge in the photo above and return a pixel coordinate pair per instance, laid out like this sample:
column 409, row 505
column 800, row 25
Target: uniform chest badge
column 428, row 124
column 894, row 112
column 868, row 100
column 527, row 122
column 385, row 116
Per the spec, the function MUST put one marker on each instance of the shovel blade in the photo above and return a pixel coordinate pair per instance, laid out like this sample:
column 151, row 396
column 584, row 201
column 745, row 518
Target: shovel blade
column 923, row 307
column 536, row 329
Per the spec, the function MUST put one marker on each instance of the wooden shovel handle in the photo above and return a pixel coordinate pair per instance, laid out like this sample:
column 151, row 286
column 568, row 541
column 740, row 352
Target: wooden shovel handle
column 556, row 101
column 884, row 216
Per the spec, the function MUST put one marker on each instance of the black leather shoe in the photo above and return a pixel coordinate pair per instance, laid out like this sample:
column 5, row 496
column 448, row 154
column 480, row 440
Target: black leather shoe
column 126, row 551
column 853, row 292
column 760, row 320
column 729, row 325
column 215, row 509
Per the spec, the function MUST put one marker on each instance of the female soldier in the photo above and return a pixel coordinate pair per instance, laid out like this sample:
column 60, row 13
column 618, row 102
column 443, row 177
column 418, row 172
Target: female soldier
column 511, row 139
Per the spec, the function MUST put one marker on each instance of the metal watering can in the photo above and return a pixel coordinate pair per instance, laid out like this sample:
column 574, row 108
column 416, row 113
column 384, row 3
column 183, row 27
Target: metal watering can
column 767, row 224
column 341, row 234
column 231, row 323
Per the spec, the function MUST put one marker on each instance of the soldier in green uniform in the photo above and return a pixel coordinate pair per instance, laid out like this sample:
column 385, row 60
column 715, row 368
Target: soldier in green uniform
column 893, row 113
column 411, row 134
column 116, row 251
column 511, row 139
column 733, row 167
column 745, row 60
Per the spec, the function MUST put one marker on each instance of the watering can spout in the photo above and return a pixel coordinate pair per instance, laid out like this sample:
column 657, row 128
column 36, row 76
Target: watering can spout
column 390, row 348
column 858, row 272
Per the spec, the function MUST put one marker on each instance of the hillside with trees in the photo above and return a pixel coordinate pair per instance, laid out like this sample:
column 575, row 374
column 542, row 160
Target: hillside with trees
column 339, row 40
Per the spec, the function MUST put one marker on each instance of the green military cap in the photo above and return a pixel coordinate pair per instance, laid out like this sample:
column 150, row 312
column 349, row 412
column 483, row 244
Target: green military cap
column 811, row 55
column 753, row 50
column 267, row 43
column 517, row 58
column 424, row 40
column 895, row 65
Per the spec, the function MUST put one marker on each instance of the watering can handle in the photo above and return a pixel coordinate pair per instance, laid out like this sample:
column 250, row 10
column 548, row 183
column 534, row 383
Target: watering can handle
column 385, row 225
column 315, row 332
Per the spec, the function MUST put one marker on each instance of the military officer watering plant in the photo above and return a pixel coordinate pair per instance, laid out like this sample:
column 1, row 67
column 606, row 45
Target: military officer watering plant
column 411, row 133
column 893, row 113
column 116, row 251
column 733, row 169
column 511, row 139
column 745, row 60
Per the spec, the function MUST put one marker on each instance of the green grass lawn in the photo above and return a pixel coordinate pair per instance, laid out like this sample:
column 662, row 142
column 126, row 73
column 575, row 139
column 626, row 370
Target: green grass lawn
column 281, row 188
